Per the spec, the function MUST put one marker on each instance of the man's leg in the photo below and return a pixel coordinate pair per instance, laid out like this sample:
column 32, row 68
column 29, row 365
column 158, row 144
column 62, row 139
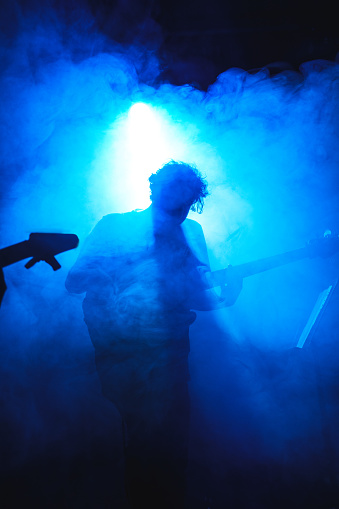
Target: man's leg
column 150, row 390
column 156, row 450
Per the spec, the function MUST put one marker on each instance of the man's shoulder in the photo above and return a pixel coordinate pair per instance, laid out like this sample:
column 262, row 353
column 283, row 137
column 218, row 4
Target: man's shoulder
column 196, row 240
column 117, row 218
column 111, row 233
column 192, row 227
column 192, row 222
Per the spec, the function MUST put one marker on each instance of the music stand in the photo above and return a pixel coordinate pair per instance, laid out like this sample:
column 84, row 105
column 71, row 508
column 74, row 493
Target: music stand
column 315, row 321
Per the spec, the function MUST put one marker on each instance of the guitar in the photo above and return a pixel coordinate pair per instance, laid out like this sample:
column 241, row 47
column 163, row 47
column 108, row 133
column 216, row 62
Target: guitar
column 39, row 247
column 324, row 247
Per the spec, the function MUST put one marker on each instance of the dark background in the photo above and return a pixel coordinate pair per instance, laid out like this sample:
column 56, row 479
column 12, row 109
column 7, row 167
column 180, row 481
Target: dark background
column 197, row 41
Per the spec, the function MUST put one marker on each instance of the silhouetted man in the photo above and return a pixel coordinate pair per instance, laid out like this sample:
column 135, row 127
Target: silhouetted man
column 143, row 273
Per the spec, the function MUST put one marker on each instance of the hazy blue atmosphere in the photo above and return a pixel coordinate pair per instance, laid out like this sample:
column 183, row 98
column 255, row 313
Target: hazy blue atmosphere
column 84, row 122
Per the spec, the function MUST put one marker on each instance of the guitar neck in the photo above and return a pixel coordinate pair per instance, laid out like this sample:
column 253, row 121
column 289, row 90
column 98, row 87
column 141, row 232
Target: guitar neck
column 15, row 253
column 251, row 268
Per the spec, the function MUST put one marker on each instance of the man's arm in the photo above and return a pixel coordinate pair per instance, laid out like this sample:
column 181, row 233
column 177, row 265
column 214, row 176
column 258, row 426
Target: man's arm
column 86, row 274
column 89, row 270
column 204, row 297
column 208, row 298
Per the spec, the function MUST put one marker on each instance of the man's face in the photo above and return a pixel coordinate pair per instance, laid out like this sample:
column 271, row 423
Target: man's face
column 174, row 201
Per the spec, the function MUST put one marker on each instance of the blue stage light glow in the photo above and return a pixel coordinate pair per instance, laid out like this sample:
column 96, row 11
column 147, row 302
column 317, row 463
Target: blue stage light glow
column 80, row 137
column 136, row 145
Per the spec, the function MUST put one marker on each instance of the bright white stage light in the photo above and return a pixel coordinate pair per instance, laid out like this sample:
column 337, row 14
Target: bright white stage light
column 140, row 114
column 147, row 147
column 146, row 137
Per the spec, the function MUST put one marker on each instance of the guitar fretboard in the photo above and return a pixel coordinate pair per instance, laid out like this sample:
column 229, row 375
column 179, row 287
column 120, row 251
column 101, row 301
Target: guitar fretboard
column 251, row 268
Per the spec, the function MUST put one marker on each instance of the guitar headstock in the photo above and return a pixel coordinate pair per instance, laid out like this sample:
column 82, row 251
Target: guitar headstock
column 45, row 245
column 324, row 247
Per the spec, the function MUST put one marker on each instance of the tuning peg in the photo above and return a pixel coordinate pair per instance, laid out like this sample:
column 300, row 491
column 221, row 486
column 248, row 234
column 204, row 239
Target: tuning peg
column 32, row 262
column 53, row 262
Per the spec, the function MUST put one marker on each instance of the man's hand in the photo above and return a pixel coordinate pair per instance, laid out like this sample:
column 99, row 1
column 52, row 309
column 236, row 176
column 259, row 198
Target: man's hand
column 210, row 298
column 231, row 291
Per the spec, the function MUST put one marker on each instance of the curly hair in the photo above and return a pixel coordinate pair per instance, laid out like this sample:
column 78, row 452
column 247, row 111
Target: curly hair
column 182, row 174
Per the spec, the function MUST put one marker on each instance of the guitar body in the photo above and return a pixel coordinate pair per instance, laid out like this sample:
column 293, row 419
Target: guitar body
column 44, row 247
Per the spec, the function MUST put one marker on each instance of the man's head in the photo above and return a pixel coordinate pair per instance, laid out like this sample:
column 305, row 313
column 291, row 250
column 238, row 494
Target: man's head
column 177, row 188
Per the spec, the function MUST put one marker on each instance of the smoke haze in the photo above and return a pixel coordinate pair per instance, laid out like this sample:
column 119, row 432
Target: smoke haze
column 72, row 151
